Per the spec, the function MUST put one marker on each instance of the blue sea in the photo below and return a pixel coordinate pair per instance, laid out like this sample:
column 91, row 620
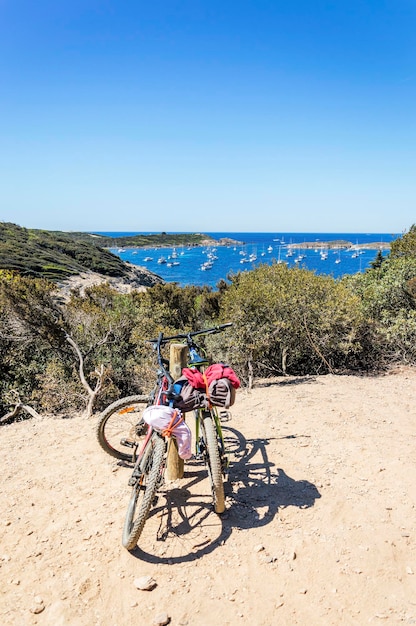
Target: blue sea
column 185, row 265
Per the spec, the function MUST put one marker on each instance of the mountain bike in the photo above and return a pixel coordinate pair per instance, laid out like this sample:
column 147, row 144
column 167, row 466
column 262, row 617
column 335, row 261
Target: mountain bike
column 150, row 446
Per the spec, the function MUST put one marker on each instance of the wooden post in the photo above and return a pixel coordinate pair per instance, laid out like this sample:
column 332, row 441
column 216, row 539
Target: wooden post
column 177, row 360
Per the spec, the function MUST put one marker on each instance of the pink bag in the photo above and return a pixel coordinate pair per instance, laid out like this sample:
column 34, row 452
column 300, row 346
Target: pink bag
column 160, row 417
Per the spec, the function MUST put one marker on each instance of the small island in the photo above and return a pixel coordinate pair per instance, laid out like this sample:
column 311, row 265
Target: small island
column 340, row 245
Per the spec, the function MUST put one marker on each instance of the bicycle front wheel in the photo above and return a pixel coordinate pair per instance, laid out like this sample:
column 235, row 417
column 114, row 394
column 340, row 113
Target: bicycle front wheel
column 121, row 426
column 143, row 492
column 213, row 461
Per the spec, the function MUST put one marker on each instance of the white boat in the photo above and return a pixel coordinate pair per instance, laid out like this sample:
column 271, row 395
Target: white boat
column 161, row 260
column 148, row 258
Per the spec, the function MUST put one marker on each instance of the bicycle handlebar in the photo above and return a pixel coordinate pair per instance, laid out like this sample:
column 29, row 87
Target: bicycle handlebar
column 208, row 331
column 161, row 340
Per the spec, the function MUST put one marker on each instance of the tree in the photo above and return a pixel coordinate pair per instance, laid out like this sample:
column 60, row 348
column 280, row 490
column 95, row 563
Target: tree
column 377, row 262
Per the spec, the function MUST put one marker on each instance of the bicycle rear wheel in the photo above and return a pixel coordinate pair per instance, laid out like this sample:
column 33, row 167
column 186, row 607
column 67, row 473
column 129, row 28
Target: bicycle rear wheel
column 213, row 461
column 143, row 492
column 121, row 426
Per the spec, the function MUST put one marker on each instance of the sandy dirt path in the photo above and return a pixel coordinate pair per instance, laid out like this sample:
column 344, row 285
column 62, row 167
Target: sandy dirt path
column 320, row 526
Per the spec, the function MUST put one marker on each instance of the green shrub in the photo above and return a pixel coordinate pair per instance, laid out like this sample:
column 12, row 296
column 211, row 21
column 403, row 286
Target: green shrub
column 387, row 297
column 291, row 321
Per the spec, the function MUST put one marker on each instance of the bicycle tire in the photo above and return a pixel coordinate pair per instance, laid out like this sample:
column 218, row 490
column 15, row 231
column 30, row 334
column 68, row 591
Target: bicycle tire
column 143, row 492
column 213, row 462
column 120, row 420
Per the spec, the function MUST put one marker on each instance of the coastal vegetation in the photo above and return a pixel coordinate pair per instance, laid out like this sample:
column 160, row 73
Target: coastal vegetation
column 55, row 255
column 82, row 353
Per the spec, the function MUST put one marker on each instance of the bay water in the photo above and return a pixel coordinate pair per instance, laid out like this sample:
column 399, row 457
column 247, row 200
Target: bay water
column 203, row 265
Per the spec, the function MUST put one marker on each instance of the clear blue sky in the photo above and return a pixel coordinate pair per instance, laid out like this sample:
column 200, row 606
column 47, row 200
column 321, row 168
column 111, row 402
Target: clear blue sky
column 205, row 115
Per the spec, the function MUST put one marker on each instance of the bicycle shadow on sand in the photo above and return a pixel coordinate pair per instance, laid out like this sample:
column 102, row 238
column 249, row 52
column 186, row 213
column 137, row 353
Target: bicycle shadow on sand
column 182, row 526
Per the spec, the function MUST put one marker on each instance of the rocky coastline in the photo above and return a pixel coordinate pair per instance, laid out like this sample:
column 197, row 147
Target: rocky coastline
column 137, row 278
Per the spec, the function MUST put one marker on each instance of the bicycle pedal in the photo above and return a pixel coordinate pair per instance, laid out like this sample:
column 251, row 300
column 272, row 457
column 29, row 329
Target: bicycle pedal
column 225, row 416
column 128, row 443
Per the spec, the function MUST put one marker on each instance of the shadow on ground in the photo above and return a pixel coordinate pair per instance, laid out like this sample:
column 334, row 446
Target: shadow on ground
column 187, row 527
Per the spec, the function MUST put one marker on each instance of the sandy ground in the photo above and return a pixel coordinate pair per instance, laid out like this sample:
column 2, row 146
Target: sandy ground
column 320, row 526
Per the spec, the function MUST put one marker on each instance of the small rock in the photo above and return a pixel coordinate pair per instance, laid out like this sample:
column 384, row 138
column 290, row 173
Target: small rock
column 409, row 570
column 38, row 605
column 161, row 619
column 303, row 591
column 258, row 548
column 145, row 583
column 268, row 559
